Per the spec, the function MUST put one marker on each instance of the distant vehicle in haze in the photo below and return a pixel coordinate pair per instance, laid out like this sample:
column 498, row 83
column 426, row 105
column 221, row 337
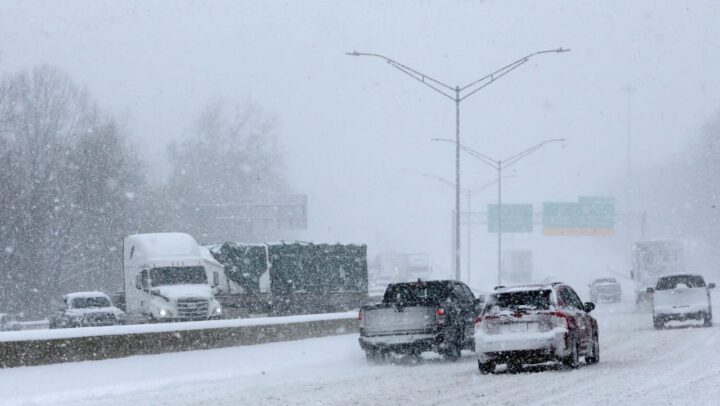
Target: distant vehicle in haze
column 8, row 323
column 420, row 316
column 650, row 259
column 681, row 297
column 517, row 267
column 395, row 267
column 86, row 309
column 535, row 324
column 606, row 290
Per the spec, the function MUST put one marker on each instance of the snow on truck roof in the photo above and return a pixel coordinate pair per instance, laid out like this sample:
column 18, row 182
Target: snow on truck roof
column 164, row 245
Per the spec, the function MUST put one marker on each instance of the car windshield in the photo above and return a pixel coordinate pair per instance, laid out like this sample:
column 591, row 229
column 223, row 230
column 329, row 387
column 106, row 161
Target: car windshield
column 416, row 293
column 520, row 300
column 672, row 282
column 188, row 275
column 604, row 280
column 90, row 302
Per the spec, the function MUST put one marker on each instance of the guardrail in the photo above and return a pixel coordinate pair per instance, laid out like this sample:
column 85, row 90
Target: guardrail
column 69, row 345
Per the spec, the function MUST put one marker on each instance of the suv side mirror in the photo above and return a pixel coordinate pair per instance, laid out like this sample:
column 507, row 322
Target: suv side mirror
column 711, row 285
column 589, row 306
column 650, row 290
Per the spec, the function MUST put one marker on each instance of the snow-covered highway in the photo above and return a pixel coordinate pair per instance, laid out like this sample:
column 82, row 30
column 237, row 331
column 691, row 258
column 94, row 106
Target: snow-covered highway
column 639, row 365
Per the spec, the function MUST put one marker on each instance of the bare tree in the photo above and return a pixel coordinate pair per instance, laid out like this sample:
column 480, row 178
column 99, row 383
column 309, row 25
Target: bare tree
column 65, row 182
column 230, row 157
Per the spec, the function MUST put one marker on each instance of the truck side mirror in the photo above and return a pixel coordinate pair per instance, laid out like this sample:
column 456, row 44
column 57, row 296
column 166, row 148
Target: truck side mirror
column 216, row 279
column 650, row 290
column 711, row 285
column 589, row 306
column 138, row 282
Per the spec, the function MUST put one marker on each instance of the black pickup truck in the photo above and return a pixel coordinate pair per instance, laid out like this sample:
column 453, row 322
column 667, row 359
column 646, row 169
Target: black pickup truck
column 420, row 316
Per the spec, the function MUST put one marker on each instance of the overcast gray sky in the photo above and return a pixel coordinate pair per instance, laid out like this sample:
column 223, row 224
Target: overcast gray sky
column 356, row 132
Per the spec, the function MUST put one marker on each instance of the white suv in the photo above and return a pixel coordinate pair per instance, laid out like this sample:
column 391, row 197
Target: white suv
column 681, row 297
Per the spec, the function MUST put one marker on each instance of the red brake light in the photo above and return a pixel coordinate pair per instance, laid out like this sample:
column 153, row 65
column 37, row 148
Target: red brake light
column 478, row 319
column 440, row 311
column 360, row 315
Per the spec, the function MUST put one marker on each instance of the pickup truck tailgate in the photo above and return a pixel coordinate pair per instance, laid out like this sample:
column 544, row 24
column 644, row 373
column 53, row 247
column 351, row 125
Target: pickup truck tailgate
column 394, row 320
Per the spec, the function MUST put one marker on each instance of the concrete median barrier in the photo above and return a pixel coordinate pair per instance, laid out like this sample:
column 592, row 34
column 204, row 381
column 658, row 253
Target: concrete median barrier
column 40, row 351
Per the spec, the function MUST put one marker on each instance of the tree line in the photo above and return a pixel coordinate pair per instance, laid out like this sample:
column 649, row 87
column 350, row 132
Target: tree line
column 72, row 186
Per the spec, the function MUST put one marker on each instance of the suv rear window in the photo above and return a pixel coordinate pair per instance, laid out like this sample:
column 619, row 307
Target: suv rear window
column 417, row 293
column 671, row 282
column 520, row 300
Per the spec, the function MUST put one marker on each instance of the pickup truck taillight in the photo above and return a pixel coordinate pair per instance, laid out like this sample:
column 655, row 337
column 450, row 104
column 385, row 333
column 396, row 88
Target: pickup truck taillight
column 361, row 318
column 440, row 315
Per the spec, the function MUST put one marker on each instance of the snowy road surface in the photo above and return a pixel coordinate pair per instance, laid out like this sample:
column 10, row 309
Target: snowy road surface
column 639, row 366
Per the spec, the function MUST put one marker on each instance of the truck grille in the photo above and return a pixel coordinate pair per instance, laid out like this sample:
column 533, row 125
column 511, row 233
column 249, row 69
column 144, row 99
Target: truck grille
column 193, row 308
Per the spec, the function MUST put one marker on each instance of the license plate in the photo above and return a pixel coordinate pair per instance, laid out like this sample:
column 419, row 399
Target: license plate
column 515, row 327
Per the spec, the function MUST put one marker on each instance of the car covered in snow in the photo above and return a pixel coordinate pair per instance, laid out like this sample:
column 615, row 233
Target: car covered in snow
column 420, row 316
column 8, row 323
column 534, row 324
column 84, row 309
column 606, row 290
column 681, row 297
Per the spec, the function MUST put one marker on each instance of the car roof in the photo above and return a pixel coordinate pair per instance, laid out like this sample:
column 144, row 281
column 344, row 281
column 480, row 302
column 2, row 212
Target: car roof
column 76, row 295
column 521, row 288
column 673, row 275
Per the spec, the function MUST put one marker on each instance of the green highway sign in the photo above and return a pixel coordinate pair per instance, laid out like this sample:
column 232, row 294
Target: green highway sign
column 589, row 216
column 516, row 218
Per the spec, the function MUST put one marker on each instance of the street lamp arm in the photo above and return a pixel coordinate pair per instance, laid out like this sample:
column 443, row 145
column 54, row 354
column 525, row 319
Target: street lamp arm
column 419, row 76
column 494, row 76
column 480, row 188
column 441, row 179
column 484, row 158
column 513, row 159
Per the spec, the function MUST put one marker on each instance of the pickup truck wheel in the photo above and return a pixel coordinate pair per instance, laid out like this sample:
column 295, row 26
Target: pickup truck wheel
column 486, row 367
column 374, row 355
column 453, row 350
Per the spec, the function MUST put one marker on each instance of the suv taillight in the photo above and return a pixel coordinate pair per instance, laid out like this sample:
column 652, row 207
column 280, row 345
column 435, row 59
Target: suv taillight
column 361, row 318
column 560, row 319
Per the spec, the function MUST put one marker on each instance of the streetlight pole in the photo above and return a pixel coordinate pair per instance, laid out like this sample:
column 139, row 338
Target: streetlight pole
column 499, row 165
column 457, row 94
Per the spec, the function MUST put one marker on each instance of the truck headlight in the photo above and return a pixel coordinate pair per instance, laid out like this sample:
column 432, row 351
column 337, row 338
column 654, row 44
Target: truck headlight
column 218, row 310
column 163, row 312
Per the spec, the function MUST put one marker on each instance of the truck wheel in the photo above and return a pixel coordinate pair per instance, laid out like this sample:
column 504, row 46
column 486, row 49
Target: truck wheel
column 374, row 355
column 658, row 323
column 486, row 367
column 453, row 350
column 573, row 359
column 594, row 356
column 707, row 317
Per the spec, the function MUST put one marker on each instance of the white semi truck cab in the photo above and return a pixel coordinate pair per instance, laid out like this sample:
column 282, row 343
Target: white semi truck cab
column 166, row 280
